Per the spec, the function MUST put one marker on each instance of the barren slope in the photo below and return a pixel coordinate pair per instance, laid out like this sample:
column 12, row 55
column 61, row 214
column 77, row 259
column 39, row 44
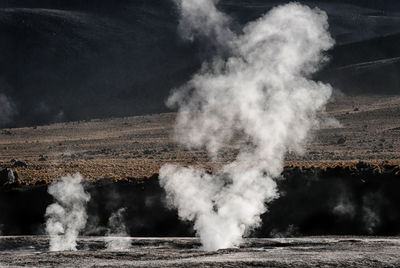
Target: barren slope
column 135, row 147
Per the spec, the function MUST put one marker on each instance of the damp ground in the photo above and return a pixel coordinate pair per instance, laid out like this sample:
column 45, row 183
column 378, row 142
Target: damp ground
column 32, row 251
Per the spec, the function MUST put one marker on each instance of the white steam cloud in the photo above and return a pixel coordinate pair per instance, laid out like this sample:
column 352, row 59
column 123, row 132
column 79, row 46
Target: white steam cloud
column 201, row 17
column 67, row 216
column 258, row 95
column 118, row 237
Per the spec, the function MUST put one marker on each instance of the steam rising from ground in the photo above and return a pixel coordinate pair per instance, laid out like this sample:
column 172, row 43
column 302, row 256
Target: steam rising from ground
column 67, row 216
column 258, row 96
column 118, row 236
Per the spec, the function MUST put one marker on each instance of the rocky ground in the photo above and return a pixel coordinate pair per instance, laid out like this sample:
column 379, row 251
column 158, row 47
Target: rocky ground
column 32, row 251
column 368, row 129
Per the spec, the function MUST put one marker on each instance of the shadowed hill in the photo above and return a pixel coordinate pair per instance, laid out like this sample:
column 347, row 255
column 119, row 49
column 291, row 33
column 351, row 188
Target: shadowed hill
column 366, row 67
column 82, row 59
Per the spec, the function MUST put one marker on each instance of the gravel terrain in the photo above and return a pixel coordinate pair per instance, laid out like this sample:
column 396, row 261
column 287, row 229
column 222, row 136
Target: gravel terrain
column 31, row 251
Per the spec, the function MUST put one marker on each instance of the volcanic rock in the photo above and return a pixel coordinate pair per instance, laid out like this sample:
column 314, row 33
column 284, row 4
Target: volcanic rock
column 7, row 175
column 18, row 163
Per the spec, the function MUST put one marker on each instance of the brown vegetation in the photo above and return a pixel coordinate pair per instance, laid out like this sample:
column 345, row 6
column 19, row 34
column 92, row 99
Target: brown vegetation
column 136, row 147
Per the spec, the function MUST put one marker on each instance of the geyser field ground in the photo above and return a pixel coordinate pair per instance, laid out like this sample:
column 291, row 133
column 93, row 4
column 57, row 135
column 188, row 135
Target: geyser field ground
column 32, row 251
column 136, row 147
column 131, row 150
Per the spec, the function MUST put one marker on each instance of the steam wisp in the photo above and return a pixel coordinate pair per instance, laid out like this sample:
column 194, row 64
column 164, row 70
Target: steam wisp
column 67, row 216
column 255, row 94
column 118, row 237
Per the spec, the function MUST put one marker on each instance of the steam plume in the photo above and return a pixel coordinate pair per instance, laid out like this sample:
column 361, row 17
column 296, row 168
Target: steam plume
column 118, row 236
column 67, row 216
column 258, row 96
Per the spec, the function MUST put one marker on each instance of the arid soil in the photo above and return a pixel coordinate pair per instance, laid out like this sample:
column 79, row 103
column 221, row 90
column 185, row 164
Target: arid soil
column 32, row 251
column 368, row 129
